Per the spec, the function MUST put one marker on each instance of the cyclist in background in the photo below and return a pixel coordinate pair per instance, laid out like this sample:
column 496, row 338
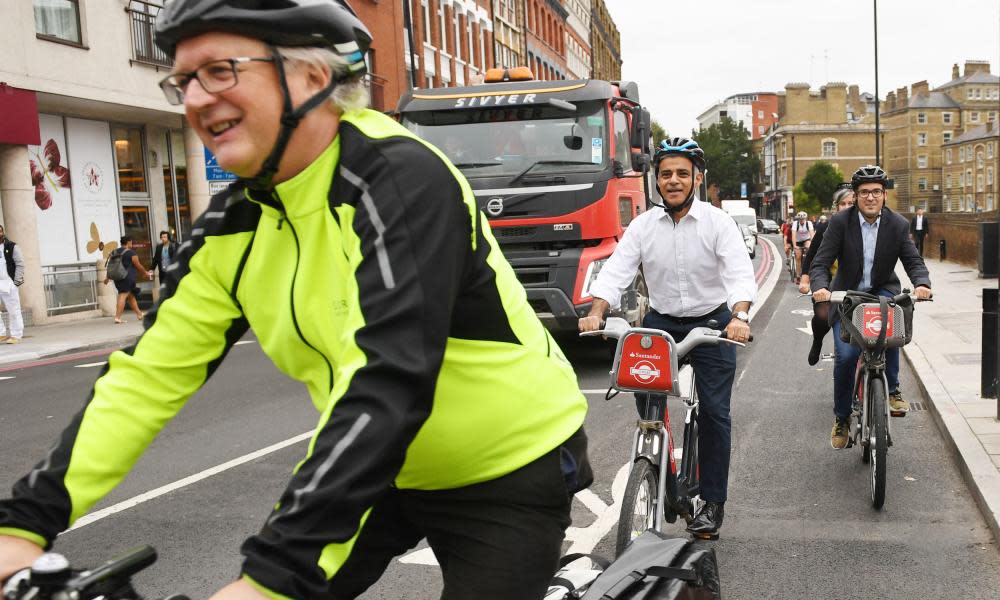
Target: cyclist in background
column 851, row 240
column 697, row 270
column 801, row 233
column 356, row 253
column 843, row 199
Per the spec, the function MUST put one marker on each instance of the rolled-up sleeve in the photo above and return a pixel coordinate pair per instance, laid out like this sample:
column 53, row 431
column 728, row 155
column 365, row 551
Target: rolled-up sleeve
column 622, row 265
column 736, row 266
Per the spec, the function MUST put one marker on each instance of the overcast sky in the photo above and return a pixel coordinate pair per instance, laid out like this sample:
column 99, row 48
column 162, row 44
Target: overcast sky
column 687, row 55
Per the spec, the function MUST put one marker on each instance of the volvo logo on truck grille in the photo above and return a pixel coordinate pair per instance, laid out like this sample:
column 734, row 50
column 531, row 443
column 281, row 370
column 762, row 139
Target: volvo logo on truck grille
column 494, row 206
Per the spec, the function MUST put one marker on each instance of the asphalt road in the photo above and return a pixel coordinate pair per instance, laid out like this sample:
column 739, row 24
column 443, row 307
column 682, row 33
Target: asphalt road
column 798, row 522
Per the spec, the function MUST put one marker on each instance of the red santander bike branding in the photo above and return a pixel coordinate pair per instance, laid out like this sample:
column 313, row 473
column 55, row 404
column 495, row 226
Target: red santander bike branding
column 645, row 364
column 872, row 322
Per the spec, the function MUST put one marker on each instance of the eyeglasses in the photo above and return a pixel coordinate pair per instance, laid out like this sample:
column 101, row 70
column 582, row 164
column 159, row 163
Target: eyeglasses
column 214, row 77
column 876, row 194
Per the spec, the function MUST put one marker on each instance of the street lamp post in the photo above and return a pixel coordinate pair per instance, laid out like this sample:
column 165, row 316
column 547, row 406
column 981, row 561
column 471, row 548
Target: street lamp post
column 878, row 108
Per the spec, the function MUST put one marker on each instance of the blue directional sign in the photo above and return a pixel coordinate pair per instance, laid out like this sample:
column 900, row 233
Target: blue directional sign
column 743, row 190
column 213, row 172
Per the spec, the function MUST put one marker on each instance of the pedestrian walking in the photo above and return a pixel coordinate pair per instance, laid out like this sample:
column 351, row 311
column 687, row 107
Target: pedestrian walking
column 11, row 278
column 920, row 226
column 124, row 276
column 164, row 253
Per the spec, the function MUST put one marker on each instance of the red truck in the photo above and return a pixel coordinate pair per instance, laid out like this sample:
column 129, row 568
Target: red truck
column 559, row 168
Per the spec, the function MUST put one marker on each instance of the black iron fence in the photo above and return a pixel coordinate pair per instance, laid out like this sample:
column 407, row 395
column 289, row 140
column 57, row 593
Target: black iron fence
column 142, row 18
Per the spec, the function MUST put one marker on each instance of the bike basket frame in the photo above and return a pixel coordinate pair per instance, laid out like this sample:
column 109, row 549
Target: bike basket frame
column 646, row 361
column 867, row 320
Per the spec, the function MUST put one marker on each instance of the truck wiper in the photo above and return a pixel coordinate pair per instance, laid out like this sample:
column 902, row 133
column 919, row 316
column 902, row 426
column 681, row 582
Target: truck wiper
column 548, row 162
column 476, row 165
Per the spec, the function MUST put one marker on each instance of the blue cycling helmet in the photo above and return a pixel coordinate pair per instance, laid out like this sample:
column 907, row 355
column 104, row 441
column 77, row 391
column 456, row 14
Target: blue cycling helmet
column 687, row 148
column 683, row 147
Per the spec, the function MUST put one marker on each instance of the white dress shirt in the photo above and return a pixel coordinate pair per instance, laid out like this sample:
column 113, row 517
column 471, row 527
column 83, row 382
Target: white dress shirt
column 690, row 267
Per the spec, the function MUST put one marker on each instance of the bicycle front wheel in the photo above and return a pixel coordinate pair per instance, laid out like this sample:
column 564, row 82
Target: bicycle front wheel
column 878, row 441
column 639, row 504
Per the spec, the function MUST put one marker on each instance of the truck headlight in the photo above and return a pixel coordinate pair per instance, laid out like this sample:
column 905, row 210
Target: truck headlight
column 591, row 276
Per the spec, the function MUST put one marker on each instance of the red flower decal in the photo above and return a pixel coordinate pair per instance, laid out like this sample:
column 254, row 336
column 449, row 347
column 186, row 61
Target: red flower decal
column 48, row 176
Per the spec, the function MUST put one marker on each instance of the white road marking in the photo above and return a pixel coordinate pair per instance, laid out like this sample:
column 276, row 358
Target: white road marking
column 424, row 556
column 601, row 391
column 89, row 365
column 802, row 311
column 241, row 342
column 182, row 483
column 807, row 329
column 764, row 290
column 2, row 378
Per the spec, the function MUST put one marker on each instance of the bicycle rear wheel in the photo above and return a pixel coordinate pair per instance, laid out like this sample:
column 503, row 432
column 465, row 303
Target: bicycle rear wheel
column 878, row 442
column 639, row 504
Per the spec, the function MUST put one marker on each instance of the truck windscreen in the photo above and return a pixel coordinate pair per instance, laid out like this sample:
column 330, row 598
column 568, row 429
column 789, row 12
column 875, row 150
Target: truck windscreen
column 504, row 141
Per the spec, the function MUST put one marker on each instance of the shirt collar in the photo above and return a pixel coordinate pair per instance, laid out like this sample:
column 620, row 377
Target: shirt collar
column 696, row 211
column 864, row 223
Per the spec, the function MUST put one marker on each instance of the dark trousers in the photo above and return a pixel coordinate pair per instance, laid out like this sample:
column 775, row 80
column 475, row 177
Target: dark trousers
column 846, row 361
column 714, row 370
column 918, row 239
column 495, row 540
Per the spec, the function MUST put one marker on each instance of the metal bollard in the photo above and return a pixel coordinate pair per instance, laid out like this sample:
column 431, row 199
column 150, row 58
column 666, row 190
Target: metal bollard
column 991, row 341
column 942, row 250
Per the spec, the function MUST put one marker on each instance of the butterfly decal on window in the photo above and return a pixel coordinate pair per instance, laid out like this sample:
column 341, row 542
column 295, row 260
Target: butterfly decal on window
column 96, row 244
column 47, row 175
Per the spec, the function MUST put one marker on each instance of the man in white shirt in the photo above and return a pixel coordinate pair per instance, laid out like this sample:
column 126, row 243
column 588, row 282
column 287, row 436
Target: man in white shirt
column 697, row 270
column 11, row 277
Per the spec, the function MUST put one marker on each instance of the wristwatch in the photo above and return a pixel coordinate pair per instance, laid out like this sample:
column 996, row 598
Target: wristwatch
column 742, row 316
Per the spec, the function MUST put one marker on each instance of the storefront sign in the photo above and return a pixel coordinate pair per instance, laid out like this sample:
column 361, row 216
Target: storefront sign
column 95, row 194
column 213, row 172
column 53, row 180
column 19, row 124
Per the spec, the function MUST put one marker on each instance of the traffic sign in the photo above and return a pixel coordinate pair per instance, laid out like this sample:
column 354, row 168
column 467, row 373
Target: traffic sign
column 213, row 172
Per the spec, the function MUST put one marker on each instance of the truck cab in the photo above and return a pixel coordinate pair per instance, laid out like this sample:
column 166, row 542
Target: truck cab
column 557, row 167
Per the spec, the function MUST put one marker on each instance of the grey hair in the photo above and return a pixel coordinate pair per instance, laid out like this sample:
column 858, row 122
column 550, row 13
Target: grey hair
column 840, row 195
column 350, row 94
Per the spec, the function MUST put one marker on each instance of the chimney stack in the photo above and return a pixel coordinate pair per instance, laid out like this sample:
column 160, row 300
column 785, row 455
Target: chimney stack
column 890, row 100
column 902, row 97
column 920, row 88
column 955, row 73
column 977, row 66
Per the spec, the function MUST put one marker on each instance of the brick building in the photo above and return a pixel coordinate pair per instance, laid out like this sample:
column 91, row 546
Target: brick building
column 830, row 125
column 509, row 36
column 605, row 44
column 388, row 75
column 453, row 39
column 971, row 165
column 578, row 60
column 545, row 24
column 756, row 111
column 921, row 124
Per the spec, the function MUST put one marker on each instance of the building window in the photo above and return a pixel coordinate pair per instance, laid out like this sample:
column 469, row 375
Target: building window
column 760, row 130
column 980, row 183
column 922, row 184
column 829, row 148
column 979, row 93
column 947, row 156
column 968, row 178
column 979, row 159
column 968, row 94
column 945, row 136
column 989, row 201
column 974, row 116
column 921, row 139
column 989, row 175
column 427, row 21
column 129, row 156
column 989, row 150
column 58, row 19
column 922, row 161
column 961, row 154
column 760, row 114
column 442, row 28
column 947, row 182
column 968, row 202
column 991, row 116
column 946, row 118
column 922, row 118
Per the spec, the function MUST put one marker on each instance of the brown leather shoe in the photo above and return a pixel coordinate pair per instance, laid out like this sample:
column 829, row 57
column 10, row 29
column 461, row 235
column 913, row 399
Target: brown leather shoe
column 898, row 407
column 841, row 433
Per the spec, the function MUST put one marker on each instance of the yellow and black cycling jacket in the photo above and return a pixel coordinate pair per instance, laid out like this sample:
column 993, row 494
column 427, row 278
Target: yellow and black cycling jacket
column 372, row 278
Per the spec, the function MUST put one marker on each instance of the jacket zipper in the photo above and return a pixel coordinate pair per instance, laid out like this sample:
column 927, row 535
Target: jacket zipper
column 295, row 274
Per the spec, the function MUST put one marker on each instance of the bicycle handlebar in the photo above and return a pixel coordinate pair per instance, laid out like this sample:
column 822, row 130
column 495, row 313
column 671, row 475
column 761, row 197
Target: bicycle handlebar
column 616, row 328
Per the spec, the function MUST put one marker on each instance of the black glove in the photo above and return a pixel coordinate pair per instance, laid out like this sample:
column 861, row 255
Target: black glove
column 18, row 282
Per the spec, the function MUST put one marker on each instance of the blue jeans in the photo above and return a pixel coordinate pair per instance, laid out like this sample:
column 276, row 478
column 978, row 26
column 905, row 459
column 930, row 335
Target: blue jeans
column 715, row 370
column 846, row 360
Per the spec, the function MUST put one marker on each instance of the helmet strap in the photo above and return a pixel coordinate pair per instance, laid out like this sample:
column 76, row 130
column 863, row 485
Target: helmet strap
column 290, row 119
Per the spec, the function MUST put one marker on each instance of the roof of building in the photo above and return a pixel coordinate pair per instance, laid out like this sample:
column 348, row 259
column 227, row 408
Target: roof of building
column 977, row 77
column 934, row 99
column 976, row 133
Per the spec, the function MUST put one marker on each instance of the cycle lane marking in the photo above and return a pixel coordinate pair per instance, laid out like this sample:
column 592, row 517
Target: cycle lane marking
column 90, row 365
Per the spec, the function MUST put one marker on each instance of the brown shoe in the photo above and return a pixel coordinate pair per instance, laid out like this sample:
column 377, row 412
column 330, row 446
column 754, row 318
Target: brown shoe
column 898, row 407
column 3, row 338
column 841, row 433
column 12, row 340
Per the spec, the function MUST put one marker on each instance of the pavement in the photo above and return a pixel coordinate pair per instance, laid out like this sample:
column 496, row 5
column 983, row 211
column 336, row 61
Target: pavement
column 945, row 354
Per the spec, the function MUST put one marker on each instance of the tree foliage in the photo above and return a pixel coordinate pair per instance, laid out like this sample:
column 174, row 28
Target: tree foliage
column 658, row 132
column 818, row 185
column 730, row 156
column 805, row 202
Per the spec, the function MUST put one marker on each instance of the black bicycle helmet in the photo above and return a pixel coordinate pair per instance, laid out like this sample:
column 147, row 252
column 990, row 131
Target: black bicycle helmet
column 681, row 147
column 869, row 174
column 330, row 24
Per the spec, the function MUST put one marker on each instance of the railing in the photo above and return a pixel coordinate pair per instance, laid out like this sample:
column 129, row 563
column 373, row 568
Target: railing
column 142, row 16
column 70, row 288
column 376, row 90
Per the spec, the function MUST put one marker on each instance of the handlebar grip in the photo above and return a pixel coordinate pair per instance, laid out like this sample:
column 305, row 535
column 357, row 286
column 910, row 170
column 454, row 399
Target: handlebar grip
column 122, row 566
column 725, row 336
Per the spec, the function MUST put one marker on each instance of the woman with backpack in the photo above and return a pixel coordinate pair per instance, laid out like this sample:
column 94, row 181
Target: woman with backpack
column 124, row 277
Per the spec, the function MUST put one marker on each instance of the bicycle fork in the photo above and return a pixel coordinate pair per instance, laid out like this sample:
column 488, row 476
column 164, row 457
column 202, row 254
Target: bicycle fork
column 654, row 444
column 862, row 381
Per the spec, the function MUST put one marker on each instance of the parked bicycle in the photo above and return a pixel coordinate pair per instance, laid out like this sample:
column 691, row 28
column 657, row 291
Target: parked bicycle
column 873, row 324
column 660, row 486
column 52, row 578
